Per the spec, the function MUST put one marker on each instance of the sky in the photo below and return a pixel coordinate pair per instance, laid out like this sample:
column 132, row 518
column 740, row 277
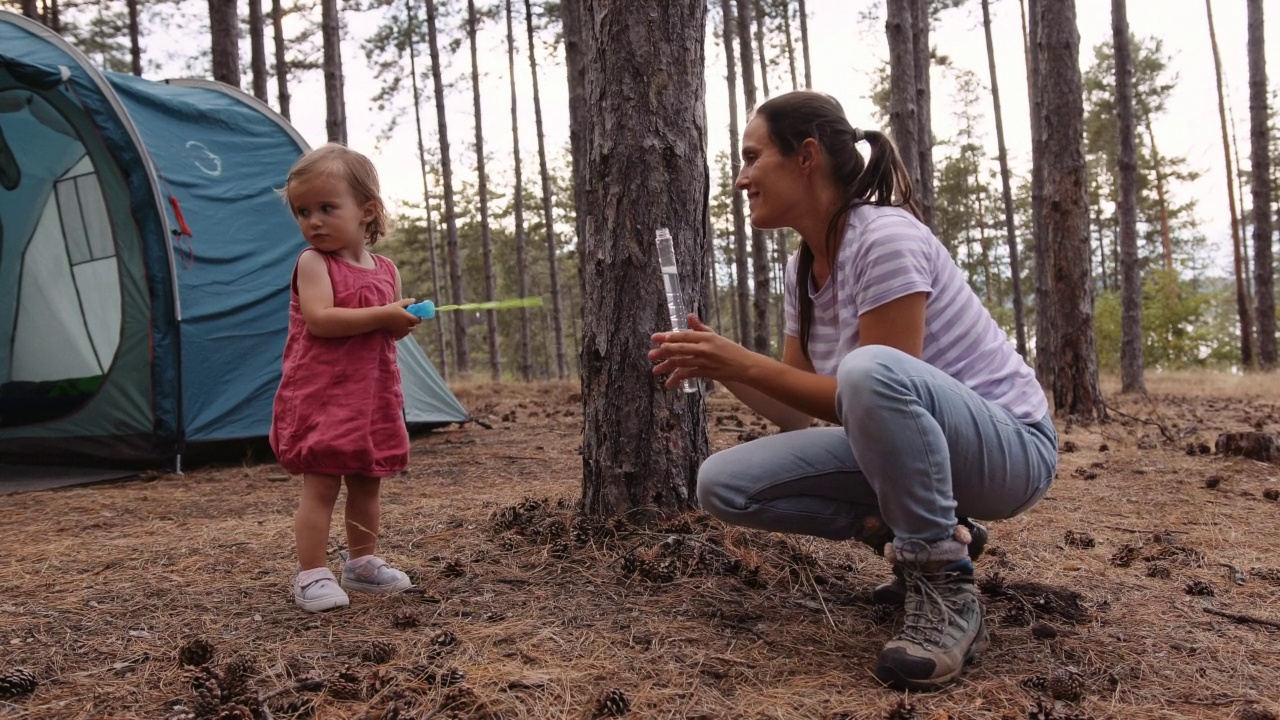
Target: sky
column 844, row 51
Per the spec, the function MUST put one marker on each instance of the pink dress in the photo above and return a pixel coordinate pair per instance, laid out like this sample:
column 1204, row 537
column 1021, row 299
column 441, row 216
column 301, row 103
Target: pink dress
column 340, row 409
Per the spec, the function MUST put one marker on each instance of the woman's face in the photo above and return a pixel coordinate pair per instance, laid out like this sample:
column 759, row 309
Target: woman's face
column 771, row 180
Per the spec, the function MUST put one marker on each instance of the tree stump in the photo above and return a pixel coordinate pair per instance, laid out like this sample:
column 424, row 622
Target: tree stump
column 1254, row 445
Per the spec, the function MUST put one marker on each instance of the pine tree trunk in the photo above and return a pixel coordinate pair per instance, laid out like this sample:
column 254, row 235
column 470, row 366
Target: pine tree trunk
column 335, row 105
column 282, row 62
column 924, row 114
column 804, row 43
column 257, row 49
column 575, row 67
column 31, row 10
column 224, row 31
column 642, row 444
column 1015, row 269
column 461, row 350
column 1043, row 250
column 759, row 245
column 1166, row 237
column 135, row 47
column 903, row 123
column 741, row 291
column 548, row 218
column 1243, row 306
column 486, row 239
column 522, row 263
column 1131, row 363
column 1066, row 220
column 791, row 48
column 412, row 34
column 1263, row 271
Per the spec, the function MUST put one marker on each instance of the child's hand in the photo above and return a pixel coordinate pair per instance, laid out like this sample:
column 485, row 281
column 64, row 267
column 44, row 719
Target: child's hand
column 400, row 322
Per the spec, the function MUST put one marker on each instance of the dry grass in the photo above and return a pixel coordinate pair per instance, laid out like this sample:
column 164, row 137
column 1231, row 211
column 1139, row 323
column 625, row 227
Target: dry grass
column 688, row 620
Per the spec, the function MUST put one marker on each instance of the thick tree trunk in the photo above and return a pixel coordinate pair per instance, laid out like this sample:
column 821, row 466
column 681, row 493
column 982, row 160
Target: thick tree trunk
column 486, row 239
column 258, row 50
column 548, row 218
column 759, row 245
column 135, row 46
column 522, row 263
column 575, row 60
column 335, row 104
column 412, row 32
column 1011, row 235
column 642, row 444
column 904, row 121
column 741, row 292
column 924, row 113
column 1066, row 219
column 224, row 32
column 31, row 9
column 1243, row 307
column 1263, row 271
column 461, row 350
column 1127, row 208
column 282, row 62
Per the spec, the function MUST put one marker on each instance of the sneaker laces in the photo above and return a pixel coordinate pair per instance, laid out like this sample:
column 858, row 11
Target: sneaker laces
column 932, row 603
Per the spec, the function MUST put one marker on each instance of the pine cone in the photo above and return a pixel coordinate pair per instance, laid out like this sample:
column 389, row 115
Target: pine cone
column 1158, row 570
column 207, row 688
column 380, row 679
column 444, row 638
column 1041, row 710
column 901, row 710
column 449, row 678
column 454, row 568
column 18, row 681
column 1036, row 683
column 1255, row 713
column 1066, row 684
column 1199, row 587
column 195, row 652
column 406, row 620
column 459, row 698
column 344, row 689
column 378, row 652
column 236, row 681
column 611, row 704
column 293, row 707
column 234, row 711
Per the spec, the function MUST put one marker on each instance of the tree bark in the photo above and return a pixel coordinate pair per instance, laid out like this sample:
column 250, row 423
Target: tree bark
column 31, row 10
column 904, row 122
column 335, row 105
column 1066, row 220
column 412, row 33
column 759, row 245
column 642, row 444
column 553, row 254
column 257, row 49
column 282, row 62
column 575, row 65
column 224, row 31
column 522, row 263
column 486, row 239
column 804, row 43
column 135, row 47
column 1166, row 237
column 741, row 292
column 924, row 113
column 1263, row 271
column 1239, row 265
column 1015, row 263
column 791, row 48
column 1131, row 363
column 461, row 350
column 1043, row 250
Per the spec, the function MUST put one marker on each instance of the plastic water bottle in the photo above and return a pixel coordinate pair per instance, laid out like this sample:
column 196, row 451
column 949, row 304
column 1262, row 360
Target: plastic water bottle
column 675, row 298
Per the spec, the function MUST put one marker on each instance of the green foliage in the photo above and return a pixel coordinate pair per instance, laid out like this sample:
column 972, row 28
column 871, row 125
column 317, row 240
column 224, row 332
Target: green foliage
column 1185, row 324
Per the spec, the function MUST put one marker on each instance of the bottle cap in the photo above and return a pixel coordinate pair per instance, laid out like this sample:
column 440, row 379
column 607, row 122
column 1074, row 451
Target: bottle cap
column 425, row 309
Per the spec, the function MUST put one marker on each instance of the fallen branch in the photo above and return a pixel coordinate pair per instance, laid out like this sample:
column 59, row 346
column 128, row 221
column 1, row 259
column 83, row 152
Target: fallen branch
column 1243, row 619
column 1237, row 576
column 1145, row 421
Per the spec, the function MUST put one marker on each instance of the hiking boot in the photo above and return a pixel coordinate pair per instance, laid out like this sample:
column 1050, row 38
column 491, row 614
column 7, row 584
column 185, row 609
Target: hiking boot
column 894, row 592
column 943, row 629
column 371, row 574
column 318, row 591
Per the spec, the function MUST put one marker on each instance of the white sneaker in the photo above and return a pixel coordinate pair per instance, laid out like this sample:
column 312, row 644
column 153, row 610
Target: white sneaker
column 319, row 594
column 374, row 576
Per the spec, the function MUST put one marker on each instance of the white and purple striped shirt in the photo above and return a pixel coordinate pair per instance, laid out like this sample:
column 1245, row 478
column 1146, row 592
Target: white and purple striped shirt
column 887, row 254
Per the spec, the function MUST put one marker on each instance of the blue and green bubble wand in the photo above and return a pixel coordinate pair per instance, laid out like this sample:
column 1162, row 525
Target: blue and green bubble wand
column 427, row 309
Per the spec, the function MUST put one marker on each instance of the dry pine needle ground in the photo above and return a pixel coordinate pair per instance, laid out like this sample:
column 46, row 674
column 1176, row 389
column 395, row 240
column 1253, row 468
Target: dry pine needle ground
column 1116, row 597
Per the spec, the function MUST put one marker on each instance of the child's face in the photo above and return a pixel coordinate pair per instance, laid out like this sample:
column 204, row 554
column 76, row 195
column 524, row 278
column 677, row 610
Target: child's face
column 330, row 217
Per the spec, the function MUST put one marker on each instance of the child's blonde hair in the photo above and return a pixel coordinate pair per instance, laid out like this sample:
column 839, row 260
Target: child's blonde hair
column 335, row 160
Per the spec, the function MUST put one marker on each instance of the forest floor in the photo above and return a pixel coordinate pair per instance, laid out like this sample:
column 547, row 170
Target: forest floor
column 1150, row 571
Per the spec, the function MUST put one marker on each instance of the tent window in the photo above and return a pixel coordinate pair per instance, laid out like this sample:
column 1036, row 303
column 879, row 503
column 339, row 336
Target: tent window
column 84, row 219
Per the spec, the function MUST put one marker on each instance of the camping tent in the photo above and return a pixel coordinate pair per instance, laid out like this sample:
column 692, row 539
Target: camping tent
column 145, row 261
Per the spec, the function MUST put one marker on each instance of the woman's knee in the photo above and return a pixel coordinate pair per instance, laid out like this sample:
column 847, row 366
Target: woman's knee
column 718, row 494
column 866, row 370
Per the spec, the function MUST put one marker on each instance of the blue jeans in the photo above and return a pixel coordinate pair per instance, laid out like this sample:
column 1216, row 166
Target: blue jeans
column 917, row 448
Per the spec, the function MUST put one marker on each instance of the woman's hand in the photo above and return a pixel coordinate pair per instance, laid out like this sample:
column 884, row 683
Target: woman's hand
column 699, row 353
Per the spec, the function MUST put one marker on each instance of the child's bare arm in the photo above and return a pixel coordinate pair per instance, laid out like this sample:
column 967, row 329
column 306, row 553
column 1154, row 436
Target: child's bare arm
column 315, row 295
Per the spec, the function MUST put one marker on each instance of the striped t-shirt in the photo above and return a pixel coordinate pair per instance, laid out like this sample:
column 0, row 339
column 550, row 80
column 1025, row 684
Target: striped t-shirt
column 885, row 254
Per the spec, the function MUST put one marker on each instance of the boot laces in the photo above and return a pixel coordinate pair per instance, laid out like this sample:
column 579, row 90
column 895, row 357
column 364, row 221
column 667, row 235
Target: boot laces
column 933, row 604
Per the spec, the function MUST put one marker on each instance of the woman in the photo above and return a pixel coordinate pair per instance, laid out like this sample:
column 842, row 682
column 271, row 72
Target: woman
column 939, row 417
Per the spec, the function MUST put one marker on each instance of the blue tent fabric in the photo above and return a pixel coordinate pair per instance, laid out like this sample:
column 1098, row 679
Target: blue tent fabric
column 182, row 177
